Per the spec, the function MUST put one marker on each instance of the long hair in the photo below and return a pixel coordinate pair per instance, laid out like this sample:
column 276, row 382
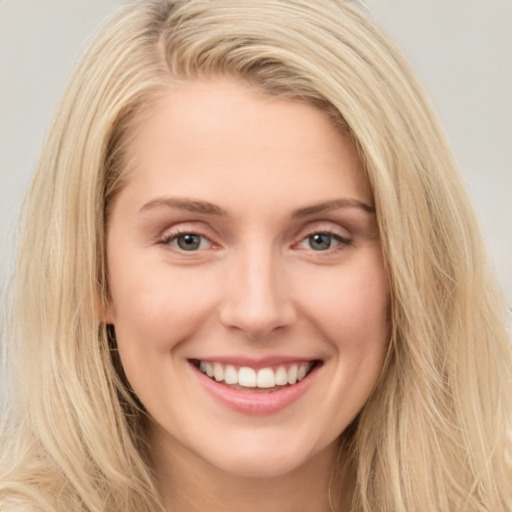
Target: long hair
column 435, row 431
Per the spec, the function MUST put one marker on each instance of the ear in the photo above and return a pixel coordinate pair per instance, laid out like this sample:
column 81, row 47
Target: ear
column 105, row 311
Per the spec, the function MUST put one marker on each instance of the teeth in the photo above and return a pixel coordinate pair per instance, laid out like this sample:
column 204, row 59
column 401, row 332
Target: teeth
column 247, row 377
column 264, row 378
column 218, row 372
column 281, row 376
column 292, row 374
column 230, row 375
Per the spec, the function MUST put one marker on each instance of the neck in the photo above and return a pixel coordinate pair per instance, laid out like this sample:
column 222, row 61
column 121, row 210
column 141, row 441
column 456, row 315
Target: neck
column 189, row 483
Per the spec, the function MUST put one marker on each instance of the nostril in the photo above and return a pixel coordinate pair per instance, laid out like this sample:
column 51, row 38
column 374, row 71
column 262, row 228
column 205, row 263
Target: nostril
column 257, row 333
column 257, row 321
column 256, row 299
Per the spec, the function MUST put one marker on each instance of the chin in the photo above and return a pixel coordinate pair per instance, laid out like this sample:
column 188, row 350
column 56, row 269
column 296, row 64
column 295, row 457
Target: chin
column 270, row 458
column 261, row 466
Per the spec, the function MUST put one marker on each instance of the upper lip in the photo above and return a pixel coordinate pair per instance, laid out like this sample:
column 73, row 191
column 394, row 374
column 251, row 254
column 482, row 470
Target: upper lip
column 255, row 363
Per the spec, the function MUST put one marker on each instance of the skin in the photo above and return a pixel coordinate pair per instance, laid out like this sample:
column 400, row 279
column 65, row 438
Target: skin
column 255, row 287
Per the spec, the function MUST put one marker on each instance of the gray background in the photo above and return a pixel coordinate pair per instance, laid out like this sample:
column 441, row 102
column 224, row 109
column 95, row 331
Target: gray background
column 461, row 49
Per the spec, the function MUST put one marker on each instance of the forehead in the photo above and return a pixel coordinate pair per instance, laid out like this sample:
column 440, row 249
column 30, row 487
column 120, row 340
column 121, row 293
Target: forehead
column 206, row 137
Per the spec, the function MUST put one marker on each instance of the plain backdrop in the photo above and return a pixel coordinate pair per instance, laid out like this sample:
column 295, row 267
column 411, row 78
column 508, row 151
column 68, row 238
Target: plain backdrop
column 461, row 49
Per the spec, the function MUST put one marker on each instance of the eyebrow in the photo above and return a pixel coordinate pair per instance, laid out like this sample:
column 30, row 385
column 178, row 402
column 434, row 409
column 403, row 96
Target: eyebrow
column 204, row 207
column 190, row 205
column 333, row 205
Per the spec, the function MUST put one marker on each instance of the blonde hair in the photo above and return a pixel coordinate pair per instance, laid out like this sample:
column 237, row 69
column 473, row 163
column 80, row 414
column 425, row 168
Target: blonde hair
column 435, row 431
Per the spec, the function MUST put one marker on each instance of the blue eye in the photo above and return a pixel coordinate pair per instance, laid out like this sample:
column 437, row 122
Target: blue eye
column 320, row 241
column 323, row 241
column 188, row 242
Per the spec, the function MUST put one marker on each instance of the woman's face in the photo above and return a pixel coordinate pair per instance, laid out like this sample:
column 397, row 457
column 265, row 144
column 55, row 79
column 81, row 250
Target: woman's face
column 249, row 296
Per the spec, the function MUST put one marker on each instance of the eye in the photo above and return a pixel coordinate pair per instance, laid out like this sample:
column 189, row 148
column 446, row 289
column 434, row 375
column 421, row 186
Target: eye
column 323, row 241
column 187, row 242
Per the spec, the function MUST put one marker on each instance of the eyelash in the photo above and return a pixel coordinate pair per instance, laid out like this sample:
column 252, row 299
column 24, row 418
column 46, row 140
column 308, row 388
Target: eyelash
column 342, row 242
column 170, row 237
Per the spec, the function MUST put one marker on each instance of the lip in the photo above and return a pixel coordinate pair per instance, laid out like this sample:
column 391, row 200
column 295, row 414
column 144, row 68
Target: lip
column 256, row 363
column 256, row 403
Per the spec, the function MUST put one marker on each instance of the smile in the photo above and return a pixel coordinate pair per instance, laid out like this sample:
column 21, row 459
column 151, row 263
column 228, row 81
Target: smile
column 250, row 378
column 259, row 388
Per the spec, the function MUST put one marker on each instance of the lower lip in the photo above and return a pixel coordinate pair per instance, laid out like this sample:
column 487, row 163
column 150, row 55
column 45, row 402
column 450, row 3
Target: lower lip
column 256, row 403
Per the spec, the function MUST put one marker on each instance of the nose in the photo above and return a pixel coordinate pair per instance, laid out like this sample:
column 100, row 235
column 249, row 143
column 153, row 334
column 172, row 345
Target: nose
column 258, row 299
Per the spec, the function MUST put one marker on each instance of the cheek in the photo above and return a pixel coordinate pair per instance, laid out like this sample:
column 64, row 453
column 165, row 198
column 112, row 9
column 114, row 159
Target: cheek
column 155, row 307
column 156, row 311
column 352, row 306
column 352, row 312
column 357, row 325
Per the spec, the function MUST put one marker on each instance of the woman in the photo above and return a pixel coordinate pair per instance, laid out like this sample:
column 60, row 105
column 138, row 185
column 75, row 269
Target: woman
column 249, row 277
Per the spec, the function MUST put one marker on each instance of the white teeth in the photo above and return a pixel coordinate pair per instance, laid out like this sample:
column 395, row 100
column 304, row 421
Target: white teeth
column 247, row 377
column 281, row 376
column 292, row 374
column 264, row 378
column 218, row 372
column 230, row 375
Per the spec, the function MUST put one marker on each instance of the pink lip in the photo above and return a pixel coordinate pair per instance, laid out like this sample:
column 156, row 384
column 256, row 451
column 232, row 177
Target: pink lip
column 256, row 403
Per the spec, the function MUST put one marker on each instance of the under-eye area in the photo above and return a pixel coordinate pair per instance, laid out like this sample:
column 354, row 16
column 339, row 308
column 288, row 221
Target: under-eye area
column 246, row 378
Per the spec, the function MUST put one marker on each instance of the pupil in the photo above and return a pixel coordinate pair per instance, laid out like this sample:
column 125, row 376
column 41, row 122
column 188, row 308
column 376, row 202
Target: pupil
column 189, row 242
column 320, row 242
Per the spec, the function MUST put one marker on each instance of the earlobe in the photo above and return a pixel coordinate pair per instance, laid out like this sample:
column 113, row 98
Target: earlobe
column 104, row 312
column 108, row 315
